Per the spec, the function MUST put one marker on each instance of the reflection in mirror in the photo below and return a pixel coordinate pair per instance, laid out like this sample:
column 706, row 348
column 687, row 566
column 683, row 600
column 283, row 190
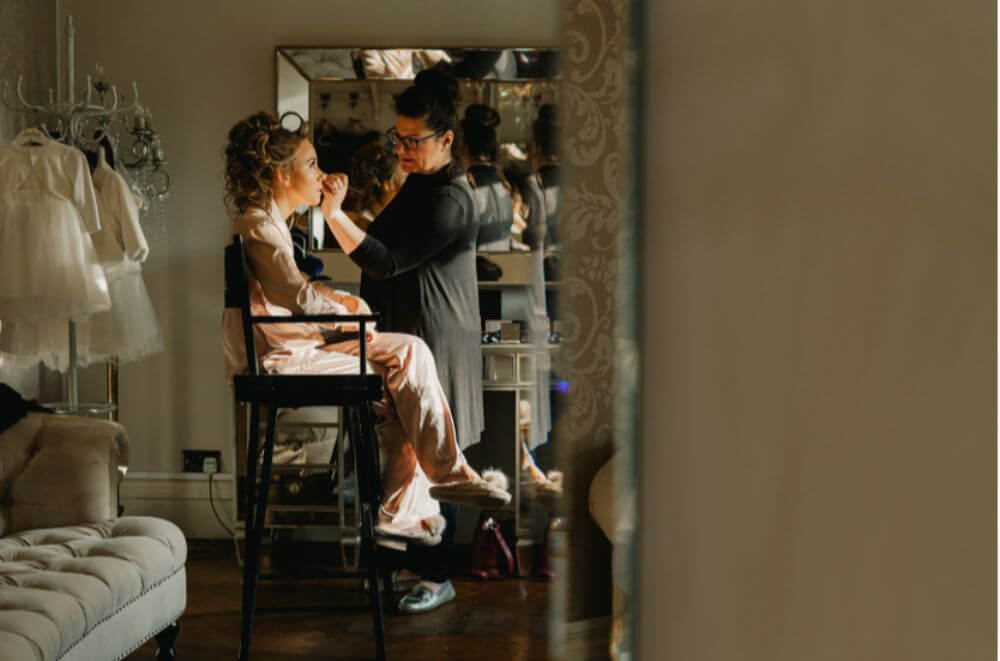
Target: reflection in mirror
column 499, row 282
column 508, row 108
column 404, row 63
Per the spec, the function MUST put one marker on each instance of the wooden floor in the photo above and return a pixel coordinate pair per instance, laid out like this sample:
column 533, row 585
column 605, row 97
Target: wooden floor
column 505, row 619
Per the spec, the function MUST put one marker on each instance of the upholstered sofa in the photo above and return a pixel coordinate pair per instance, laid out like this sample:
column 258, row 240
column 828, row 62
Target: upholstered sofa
column 76, row 581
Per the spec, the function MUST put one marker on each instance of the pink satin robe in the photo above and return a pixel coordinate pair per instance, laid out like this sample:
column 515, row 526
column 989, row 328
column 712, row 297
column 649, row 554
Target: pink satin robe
column 414, row 424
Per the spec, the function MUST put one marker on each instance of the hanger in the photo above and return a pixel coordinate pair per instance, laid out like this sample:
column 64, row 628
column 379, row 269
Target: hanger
column 101, row 160
column 91, row 143
column 34, row 137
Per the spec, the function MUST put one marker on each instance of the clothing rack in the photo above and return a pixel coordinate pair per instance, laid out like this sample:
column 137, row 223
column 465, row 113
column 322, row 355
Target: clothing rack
column 71, row 117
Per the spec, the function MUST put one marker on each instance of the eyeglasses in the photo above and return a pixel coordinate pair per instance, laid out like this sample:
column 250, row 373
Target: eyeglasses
column 409, row 143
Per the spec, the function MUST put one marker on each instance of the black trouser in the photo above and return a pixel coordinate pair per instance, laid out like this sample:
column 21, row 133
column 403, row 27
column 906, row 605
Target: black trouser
column 433, row 563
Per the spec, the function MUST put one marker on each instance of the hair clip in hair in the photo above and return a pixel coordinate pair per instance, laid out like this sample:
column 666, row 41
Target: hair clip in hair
column 287, row 126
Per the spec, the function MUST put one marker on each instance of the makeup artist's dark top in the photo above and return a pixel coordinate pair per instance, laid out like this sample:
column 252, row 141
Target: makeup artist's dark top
column 419, row 271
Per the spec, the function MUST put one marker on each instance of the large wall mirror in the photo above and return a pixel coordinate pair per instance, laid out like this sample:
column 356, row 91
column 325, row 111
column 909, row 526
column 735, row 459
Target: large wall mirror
column 508, row 143
column 348, row 96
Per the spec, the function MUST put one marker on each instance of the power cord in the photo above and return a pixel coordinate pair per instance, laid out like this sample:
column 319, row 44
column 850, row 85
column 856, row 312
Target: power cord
column 211, row 501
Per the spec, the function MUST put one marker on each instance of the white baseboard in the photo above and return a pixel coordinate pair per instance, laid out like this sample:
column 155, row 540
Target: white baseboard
column 182, row 498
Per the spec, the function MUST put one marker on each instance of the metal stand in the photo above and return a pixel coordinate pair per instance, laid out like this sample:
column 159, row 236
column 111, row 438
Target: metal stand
column 71, row 115
column 112, row 383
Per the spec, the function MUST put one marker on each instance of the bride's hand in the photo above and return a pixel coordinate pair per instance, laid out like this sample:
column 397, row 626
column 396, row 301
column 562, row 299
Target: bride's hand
column 334, row 192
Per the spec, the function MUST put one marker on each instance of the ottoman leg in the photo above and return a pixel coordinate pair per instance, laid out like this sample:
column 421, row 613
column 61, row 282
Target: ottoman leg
column 165, row 640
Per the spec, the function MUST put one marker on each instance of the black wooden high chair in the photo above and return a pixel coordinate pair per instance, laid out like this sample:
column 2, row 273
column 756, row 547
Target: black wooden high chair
column 354, row 392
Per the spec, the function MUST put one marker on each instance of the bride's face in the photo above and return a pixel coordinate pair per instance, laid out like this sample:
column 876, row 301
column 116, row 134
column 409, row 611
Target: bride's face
column 304, row 184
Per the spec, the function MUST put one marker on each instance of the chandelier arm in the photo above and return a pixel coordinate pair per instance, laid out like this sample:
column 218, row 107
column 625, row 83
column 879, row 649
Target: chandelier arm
column 24, row 103
column 129, row 107
column 114, row 101
column 3, row 97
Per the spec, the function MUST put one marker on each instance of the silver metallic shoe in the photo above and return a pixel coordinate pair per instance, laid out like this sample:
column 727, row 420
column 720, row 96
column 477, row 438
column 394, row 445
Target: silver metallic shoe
column 421, row 600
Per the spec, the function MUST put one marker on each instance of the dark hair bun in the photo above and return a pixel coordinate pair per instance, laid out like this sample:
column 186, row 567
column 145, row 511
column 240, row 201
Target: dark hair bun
column 440, row 82
column 434, row 97
column 482, row 115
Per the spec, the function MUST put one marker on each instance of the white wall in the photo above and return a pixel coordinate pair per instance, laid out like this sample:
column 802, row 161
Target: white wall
column 820, row 384
column 24, row 22
column 202, row 66
column 293, row 89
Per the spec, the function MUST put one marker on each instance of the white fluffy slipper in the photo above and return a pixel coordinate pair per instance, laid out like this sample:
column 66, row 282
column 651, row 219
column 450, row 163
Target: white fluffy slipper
column 496, row 478
column 490, row 492
column 545, row 487
column 426, row 533
column 553, row 484
column 556, row 478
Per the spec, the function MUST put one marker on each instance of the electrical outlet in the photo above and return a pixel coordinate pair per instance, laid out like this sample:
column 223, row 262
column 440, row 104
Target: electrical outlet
column 202, row 461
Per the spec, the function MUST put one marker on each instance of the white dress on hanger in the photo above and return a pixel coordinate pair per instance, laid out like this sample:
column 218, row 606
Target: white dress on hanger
column 48, row 209
column 49, row 272
column 129, row 330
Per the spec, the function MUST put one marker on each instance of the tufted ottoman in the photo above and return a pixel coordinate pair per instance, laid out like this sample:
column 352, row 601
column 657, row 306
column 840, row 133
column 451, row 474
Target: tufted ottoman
column 75, row 581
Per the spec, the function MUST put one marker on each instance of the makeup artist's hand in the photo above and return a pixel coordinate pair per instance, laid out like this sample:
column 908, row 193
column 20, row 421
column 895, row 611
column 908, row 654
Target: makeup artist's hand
column 347, row 234
column 334, row 192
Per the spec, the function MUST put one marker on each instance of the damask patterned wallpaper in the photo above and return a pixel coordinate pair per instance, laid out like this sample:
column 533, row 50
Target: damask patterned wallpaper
column 28, row 48
column 590, row 218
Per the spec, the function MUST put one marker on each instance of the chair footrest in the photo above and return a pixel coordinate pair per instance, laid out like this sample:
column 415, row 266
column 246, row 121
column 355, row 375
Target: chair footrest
column 295, row 390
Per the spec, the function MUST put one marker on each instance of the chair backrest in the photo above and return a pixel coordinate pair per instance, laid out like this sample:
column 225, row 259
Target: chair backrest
column 238, row 294
column 238, row 297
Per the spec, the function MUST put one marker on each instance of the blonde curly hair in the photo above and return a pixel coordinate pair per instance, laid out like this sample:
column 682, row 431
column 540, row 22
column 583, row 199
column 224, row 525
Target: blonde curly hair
column 259, row 146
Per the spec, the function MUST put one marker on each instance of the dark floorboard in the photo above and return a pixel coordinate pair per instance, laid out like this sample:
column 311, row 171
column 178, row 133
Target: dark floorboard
column 504, row 619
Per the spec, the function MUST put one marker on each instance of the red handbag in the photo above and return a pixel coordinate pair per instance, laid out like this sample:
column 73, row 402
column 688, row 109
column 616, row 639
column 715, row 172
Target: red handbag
column 491, row 557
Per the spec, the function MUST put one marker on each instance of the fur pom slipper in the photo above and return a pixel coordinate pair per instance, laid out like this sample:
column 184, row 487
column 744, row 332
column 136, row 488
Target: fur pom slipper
column 489, row 492
column 427, row 533
column 545, row 488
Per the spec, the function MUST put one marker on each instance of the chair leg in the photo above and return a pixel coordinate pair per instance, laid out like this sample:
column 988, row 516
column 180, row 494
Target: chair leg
column 368, row 544
column 375, row 482
column 366, row 456
column 259, row 509
column 253, row 453
column 165, row 642
column 367, row 476
column 387, row 586
column 375, row 459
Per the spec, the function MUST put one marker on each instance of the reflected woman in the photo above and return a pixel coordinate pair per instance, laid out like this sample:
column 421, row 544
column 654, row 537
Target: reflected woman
column 495, row 203
column 375, row 177
column 496, row 207
column 542, row 197
column 419, row 271
column 269, row 172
